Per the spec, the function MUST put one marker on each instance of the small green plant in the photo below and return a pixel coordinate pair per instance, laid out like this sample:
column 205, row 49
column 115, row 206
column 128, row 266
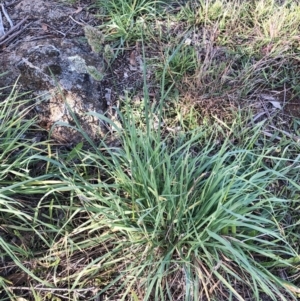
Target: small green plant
column 179, row 63
column 127, row 19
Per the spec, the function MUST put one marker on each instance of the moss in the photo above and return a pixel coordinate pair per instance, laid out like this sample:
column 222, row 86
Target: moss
column 95, row 73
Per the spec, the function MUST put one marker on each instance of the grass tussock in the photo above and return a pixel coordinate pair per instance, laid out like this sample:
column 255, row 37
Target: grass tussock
column 199, row 197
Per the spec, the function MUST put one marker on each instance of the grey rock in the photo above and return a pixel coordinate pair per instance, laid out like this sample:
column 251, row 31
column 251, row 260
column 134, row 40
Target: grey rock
column 57, row 73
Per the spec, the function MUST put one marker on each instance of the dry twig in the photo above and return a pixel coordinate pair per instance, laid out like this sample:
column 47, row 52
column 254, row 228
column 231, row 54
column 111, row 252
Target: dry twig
column 2, row 32
column 53, row 289
column 13, row 29
column 7, row 16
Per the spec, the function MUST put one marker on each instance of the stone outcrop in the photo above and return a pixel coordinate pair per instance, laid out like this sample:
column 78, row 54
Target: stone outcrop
column 62, row 75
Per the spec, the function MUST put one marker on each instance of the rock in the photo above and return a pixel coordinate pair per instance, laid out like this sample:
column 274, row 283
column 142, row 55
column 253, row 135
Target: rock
column 61, row 74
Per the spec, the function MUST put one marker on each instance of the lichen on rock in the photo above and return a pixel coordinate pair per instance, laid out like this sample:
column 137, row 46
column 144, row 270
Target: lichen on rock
column 67, row 78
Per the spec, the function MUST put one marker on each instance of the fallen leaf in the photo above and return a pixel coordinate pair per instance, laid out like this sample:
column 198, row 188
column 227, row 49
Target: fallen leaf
column 188, row 41
column 131, row 68
column 132, row 59
column 268, row 97
column 45, row 27
column 108, row 96
column 276, row 104
column 18, row 278
column 79, row 9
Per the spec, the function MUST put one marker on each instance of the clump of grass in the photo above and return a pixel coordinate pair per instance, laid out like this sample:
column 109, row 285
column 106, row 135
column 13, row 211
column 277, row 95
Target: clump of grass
column 126, row 19
column 18, row 151
column 179, row 63
column 181, row 208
